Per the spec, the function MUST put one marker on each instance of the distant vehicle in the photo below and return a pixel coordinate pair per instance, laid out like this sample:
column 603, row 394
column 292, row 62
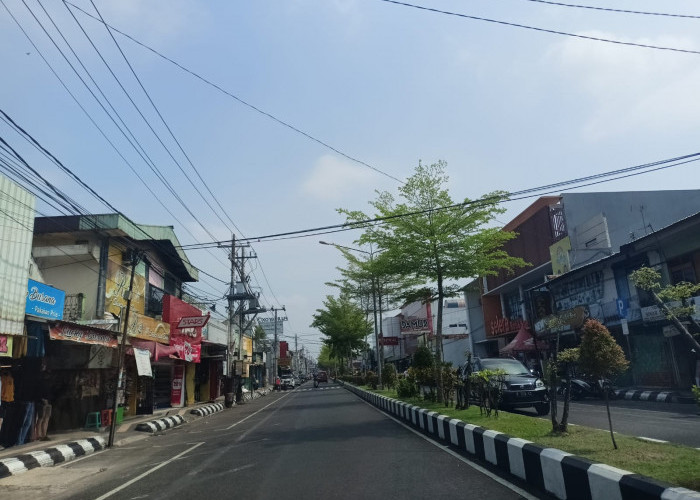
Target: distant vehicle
column 522, row 388
column 322, row 377
column 287, row 382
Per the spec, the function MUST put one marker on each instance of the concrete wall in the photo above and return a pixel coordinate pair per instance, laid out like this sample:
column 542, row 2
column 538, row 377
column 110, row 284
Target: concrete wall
column 630, row 215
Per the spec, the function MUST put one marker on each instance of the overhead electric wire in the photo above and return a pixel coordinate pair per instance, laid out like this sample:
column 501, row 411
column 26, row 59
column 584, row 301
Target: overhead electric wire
column 146, row 121
column 151, row 164
column 8, row 119
column 608, row 9
column 240, row 100
column 516, row 195
column 163, row 121
column 542, row 30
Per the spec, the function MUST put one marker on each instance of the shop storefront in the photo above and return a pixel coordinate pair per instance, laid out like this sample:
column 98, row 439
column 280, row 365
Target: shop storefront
column 186, row 323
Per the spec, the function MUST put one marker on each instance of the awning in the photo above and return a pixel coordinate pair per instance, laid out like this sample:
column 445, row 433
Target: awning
column 523, row 342
column 156, row 349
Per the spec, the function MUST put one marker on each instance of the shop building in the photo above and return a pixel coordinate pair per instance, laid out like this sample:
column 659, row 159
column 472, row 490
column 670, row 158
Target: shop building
column 557, row 234
column 91, row 258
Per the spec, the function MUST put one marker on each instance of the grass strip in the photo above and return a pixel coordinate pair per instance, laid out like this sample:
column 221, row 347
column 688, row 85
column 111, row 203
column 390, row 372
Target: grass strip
column 671, row 463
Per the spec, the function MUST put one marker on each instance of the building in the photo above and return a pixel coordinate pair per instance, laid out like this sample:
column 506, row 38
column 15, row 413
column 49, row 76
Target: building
column 557, row 234
column 100, row 261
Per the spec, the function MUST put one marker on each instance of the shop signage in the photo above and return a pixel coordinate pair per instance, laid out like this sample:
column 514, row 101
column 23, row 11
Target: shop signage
column 143, row 327
column 5, row 345
column 570, row 319
column 143, row 362
column 187, row 340
column 500, row 326
column 177, row 391
column 100, row 356
column 44, row 301
column 82, row 334
column 389, row 340
column 413, row 325
column 455, row 336
column 193, row 321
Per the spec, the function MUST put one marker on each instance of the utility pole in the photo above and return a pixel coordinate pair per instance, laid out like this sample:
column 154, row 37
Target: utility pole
column 229, row 399
column 275, row 351
column 122, row 345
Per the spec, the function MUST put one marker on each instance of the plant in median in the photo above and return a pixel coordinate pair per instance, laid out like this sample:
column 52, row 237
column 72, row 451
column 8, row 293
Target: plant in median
column 602, row 358
column 389, row 376
column 696, row 394
column 488, row 387
column 371, row 379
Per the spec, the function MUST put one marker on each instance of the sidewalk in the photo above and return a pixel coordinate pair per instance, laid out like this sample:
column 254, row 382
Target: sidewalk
column 66, row 445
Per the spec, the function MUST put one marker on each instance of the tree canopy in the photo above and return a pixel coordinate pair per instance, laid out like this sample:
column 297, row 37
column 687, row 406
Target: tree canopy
column 430, row 242
column 344, row 326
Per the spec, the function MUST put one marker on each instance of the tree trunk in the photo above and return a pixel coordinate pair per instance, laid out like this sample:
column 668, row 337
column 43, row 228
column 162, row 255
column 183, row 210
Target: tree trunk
column 676, row 322
column 564, row 424
column 438, row 350
column 607, row 407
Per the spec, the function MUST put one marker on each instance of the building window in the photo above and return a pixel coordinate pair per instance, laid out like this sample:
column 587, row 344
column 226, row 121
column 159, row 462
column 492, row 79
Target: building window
column 511, row 303
column 681, row 269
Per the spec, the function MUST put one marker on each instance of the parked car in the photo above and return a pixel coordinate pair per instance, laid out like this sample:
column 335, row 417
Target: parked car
column 322, row 377
column 287, row 382
column 521, row 388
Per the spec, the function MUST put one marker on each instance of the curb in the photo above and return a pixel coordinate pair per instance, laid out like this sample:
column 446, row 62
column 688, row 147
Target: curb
column 51, row 456
column 203, row 411
column 561, row 474
column 656, row 396
column 161, row 424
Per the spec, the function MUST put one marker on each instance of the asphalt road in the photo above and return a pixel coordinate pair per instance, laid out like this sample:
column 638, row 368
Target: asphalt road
column 674, row 422
column 307, row 443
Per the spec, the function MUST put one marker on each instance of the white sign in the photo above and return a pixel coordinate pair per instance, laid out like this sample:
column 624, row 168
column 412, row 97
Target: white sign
column 143, row 362
column 625, row 327
column 193, row 321
column 269, row 326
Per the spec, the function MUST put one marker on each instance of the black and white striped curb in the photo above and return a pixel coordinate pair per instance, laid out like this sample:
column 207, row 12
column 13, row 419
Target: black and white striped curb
column 51, row 456
column 559, row 473
column 639, row 395
column 203, row 411
column 161, row 424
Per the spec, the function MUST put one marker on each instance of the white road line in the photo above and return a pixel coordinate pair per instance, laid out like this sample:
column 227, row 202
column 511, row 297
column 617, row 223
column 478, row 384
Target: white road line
column 253, row 414
column 138, row 478
column 471, row 464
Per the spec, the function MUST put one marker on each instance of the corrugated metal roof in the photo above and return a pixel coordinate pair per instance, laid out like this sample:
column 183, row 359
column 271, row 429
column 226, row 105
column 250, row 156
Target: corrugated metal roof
column 16, row 231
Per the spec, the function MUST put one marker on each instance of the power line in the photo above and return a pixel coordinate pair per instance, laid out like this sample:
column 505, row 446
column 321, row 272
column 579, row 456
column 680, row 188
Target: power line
column 607, row 9
column 543, row 30
column 513, row 196
column 240, row 100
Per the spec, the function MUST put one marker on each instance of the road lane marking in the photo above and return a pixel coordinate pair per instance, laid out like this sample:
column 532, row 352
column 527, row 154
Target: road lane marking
column 253, row 414
column 524, row 494
column 138, row 478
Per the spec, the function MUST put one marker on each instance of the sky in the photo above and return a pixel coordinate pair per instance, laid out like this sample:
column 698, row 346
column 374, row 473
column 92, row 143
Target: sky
column 282, row 111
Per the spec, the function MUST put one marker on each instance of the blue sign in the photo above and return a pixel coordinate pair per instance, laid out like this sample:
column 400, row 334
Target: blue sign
column 622, row 308
column 44, row 301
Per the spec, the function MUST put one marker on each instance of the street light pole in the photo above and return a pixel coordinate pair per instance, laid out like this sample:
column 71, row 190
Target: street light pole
column 374, row 303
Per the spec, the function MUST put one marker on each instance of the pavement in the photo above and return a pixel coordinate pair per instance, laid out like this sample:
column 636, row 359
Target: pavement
column 64, row 446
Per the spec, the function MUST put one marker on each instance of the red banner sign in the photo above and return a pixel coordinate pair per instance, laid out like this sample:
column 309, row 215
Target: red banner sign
column 82, row 334
column 188, row 340
column 389, row 341
column 177, row 393
column 505, row 325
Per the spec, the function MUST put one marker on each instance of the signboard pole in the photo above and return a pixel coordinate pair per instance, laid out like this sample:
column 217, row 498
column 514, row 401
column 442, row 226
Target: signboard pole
column 120, row 357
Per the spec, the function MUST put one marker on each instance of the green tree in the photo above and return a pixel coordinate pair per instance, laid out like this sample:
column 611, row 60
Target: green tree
column 671, row 299
column 324, row 358
column 601, row 357
column 429, row 240
column 344, row 325
column 389, row 376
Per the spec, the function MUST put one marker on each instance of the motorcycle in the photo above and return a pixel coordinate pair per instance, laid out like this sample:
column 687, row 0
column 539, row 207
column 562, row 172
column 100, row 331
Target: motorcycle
column 587, row 388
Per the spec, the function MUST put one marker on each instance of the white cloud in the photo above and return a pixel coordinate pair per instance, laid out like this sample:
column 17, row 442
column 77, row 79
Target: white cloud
column 333, row 179
column 629, row 89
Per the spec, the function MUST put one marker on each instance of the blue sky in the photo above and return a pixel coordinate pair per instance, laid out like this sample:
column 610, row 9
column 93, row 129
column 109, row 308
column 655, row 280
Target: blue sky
column 507, row 108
